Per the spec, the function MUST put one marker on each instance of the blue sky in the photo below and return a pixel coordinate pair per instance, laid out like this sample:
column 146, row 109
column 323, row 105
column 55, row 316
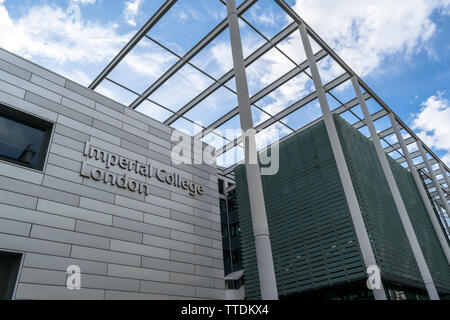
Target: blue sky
column 400, row 48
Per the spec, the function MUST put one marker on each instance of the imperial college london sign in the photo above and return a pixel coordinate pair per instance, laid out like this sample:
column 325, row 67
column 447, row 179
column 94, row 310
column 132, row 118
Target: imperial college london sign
column 124, row 181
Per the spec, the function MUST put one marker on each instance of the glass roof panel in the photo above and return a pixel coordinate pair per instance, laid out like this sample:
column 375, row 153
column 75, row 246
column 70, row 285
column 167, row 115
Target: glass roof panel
column 315, row 47
column 214, row 140
column 231, row 157
column 373, row 106
column 344, row 92
column 270, row 135
column 412, row 147
column 267, row 17
column 183, row 27
column 258, row 115
column 293, row 48
column 154, row 111
column 329, row 69
column 187, row 81
column 251, row 40
column 382, row 124
column 231, row 129
column 216, row 105
column 356, row 110
column 384, row 144
column 142, row 66
column 332, row 102
column 215, row 59
column 231, row 84
column 349, row 117
column 303, row 116
column 116, row 92
column 186, row 23
column 287, row 94
column 267, row 69
column 186, row 126
column 365, row 131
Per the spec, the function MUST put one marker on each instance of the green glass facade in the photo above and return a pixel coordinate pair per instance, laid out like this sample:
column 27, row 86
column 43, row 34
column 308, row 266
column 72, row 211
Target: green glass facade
column 313, row 239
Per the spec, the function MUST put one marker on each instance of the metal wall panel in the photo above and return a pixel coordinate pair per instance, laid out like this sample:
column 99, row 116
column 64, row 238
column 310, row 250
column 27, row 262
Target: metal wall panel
column 127, row 245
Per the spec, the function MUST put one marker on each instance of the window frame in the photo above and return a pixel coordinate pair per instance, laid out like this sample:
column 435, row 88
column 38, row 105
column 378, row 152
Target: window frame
column 17, row 259
column 33, row 122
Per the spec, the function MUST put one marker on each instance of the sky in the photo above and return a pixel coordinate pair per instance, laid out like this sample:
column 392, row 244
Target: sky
column 401, row 49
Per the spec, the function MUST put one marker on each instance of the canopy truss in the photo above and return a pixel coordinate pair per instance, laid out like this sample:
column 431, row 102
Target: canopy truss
column 436, row 181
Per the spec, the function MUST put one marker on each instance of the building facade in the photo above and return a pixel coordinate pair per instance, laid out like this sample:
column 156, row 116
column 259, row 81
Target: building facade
column 87, row 184
column 315, row 249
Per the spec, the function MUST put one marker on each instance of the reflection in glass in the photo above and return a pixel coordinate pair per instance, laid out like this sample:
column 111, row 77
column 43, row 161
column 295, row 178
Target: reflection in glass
column 20, row 143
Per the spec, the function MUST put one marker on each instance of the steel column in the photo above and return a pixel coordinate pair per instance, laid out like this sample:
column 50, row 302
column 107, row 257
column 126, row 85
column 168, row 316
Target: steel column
column 188, row 56
column 288, row 9
column 442, row 214
column 444, row 173
column 436, row 225
column 283, row 34
column 352, row 201
column 435, row 181
column 264, row 258
column 398, row 200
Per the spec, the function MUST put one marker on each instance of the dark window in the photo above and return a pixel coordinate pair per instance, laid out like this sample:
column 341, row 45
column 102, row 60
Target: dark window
column 9, row 268
column 23, row 138
column 221, row 186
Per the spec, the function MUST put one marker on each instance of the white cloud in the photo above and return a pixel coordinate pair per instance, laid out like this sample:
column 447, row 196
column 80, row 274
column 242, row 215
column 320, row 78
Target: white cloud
column 160, row 61
column 433, row 124
column 367, row 33
column 131, row 10
column 183, row 16
column 263, row 15
column 84, row 1
column 63, row 38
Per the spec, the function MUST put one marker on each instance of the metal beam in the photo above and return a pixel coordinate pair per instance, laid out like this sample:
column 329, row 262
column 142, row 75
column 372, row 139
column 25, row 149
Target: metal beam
column 397, row 146
column 436, row 195
column 349, row 191
column 396, row 195
column 287, row 8
column 444, row 173
column 414, row 154
column 426, row 201
column 386, row 132
column 285, row 112
column 261, row 94
column 440, row 181
column 433, row 178
column 377, row 115
column 266, row 270
column 350, row 104
column 133, row 42
column 423, row 165
column 189, row 55
column 444, row 217
column 286, row 32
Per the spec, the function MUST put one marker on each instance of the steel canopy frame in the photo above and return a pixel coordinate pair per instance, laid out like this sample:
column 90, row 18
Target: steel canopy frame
column 133, row 42
column 246, row 5
column 428, row 168
column 277, row 118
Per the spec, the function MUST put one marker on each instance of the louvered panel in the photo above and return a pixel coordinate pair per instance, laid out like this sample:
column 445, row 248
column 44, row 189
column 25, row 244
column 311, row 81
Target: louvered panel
column 313, row 239
column 310, row 226
column 391, row 247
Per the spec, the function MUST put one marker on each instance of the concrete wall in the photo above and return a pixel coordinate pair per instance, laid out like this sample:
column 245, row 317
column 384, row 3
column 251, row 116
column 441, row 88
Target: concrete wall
column 166, row 245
